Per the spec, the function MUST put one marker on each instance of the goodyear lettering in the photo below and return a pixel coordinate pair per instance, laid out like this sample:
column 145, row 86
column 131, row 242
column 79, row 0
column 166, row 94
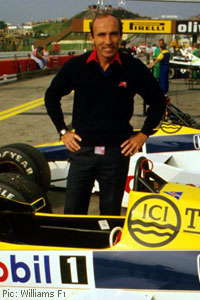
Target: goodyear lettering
column 6, row 194
column 4, row 154
column 18, row 158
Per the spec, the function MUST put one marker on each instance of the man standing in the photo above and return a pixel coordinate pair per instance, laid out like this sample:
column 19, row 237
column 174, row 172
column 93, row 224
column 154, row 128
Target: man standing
column 156, row 69
column 163, row 60
column 148, row 54
column 195, row 51
column 104, row 83
column 123, row 48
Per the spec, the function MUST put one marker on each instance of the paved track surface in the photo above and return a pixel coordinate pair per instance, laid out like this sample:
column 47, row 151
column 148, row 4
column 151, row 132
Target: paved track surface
column 23, row 117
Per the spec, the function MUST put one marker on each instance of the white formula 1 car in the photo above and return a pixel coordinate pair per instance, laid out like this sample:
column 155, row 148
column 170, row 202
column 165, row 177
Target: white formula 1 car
column 180, row 65
column 152, row 253
column 174, row 150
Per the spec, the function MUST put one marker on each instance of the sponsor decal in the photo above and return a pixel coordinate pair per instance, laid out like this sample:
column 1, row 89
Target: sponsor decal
column 139, row 26
column 21, row 272
column 154, row 221
column 196, row 140
column 176, row 195
column 51, row 269
column 187, row 27
column 170, row 128
column 146, row 26
column 191, row 221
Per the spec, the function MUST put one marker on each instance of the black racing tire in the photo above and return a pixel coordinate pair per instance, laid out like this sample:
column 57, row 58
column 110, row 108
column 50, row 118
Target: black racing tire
column 24, row 159
column 21, row 188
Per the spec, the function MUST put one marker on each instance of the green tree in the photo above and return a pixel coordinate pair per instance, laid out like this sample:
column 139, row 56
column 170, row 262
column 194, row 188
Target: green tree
column 2, row 25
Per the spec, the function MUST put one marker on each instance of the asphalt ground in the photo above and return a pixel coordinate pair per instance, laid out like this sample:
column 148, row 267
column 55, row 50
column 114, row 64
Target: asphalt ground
column 23, row 117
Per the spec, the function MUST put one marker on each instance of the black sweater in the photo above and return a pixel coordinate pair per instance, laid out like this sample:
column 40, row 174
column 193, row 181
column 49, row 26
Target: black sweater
column 103, row 105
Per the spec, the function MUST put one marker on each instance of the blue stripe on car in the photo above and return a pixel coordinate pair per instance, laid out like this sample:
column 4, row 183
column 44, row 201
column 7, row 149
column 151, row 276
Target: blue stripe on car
column 162, row 270
column 53, row 153
column 170, row 143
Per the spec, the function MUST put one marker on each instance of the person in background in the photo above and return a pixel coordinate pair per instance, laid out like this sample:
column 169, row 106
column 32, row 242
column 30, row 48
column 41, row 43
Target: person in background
column 133, row 49
column 138, row 51
column 102, row 141
column 37, row 56
column 195, row 51
column 153, row 49
column 45, row 54
column 148, row 54
column 163, row 60
column 156, row 68
column 123, row 48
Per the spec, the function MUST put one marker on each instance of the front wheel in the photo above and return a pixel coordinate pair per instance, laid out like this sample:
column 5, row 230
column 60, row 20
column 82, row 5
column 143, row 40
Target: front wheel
column 24, row 159
column 17, row 188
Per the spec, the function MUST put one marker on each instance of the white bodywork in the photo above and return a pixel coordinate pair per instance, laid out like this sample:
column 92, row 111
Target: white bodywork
column 180, row 167
column 186, row 60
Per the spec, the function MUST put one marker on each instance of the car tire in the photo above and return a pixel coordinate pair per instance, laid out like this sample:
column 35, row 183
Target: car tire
column 24, row 159
column 20, row 188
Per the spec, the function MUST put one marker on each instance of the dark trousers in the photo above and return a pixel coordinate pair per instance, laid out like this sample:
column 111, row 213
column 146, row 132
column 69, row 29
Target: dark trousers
column 110, row 170
column 164, row 78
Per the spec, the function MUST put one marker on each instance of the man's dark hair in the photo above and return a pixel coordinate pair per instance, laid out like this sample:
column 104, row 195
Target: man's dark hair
column 101, row 16
column 163, row 46
column 123, row 43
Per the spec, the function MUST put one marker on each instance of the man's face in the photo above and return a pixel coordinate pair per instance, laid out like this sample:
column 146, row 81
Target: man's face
column 106, row 37
column 160, row 42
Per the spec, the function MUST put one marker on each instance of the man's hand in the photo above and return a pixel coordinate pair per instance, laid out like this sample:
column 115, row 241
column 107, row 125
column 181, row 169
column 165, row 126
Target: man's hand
column 70, row 140
column 133, row 144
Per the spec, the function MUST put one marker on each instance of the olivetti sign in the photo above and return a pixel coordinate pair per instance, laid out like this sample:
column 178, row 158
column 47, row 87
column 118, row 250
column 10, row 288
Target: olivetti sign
column 187, row 27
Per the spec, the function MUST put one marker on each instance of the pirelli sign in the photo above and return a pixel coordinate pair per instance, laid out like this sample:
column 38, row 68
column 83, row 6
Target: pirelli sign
column 140, row 26
column 146, row 26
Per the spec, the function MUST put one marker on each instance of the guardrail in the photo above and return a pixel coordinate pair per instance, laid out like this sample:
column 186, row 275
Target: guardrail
column 12, row 54
column 8, row 78
column 23, row 68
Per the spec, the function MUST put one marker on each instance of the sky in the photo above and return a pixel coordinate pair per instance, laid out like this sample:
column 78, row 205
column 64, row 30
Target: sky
column 21, row 11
